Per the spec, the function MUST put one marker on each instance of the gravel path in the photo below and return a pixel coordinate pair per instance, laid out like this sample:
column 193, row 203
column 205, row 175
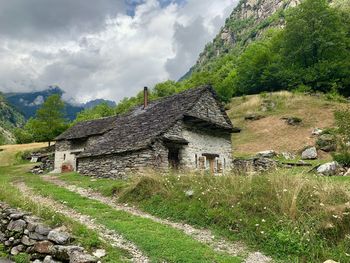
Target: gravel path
column 202, row 235
column 108, row 236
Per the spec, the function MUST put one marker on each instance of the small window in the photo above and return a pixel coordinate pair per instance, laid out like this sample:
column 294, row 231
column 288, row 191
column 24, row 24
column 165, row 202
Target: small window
column 64, row 157
column 196, row 160
column 207, row 112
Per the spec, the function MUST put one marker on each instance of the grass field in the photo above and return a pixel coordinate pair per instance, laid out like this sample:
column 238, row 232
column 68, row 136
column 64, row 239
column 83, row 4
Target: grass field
column 294, row 216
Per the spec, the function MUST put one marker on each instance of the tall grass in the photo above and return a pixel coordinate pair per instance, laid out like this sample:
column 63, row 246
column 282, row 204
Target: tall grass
column 292, row 216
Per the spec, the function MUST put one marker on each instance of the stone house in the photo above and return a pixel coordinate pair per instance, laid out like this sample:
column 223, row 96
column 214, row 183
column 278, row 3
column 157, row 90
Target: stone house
column 189, row 130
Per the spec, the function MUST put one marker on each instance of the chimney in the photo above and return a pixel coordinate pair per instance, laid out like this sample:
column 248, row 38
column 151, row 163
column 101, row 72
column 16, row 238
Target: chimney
column 145, row 97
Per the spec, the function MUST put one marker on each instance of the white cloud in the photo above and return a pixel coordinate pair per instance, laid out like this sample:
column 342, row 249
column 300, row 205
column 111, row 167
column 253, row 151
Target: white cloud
column 116, row 58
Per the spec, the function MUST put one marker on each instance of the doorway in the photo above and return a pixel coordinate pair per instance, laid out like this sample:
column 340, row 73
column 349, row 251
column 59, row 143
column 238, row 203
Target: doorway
column 173, row 158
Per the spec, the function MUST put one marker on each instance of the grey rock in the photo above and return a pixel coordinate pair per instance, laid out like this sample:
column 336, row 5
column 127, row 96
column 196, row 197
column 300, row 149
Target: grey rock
column 42, row 229
column 17, row 249
column 288, row 155
column 309, row 154
column 16, row 216
column 316, row 131
column 293, row 121
column 189, row 193
column 36, row 236
column 49, row 259
column 267, row 154
column 100, row 253
column 2, row 237
column 327, row 143
column 27, row 241
column 43, row 247
column 17, row 225
column 4, row 260
column 63, row 253
column 253, row 117
column 80, row 257
column 60, row 238
column 328, row 168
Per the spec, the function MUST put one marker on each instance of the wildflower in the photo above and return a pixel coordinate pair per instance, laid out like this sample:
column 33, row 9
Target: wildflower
column 256, row 225
column 346, row 254
column 262, row 232
column 321, row 204
column 335, row 216
column 285, row 190
column 263, row 220
column 264, row 207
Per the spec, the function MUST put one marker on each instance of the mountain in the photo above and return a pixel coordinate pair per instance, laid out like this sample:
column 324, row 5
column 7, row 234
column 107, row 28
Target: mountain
column 246, row 23
column 93, row 103
column 10, row 118
column 29, row 102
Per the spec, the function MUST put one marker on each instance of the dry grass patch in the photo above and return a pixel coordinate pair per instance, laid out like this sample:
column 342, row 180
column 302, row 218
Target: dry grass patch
column 273, row 133
column 8, row 152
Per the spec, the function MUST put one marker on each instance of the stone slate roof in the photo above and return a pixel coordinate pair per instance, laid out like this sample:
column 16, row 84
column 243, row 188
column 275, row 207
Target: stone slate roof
column 137, row 129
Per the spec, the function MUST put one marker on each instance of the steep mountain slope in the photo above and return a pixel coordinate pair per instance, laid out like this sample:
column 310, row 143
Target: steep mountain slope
column 246, row 23
column 9, row 119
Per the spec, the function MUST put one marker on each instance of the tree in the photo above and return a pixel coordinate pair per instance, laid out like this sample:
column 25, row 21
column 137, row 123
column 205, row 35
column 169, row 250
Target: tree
column 316, row 45
column 164, row 89
column 49, row 121
column 99, row 111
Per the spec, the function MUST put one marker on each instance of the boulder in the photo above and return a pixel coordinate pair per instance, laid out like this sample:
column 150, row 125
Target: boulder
column 17, row 249
column 328, row 168
column 316, row 132
column 294, row 121
column 17, row 225
column 288, row 155
column 189, row 193
column 327, row 143
column 49, row 259
column 27, row 241
column 64, row 253
column 80, row 257
column 309, row 153
column 330, row 261
column 36, row 236
column 253, row 117
column 42, row 230
column 4, row 260
column 60, row 238
column 100, row 253
column 267, row 154
column 43, row 247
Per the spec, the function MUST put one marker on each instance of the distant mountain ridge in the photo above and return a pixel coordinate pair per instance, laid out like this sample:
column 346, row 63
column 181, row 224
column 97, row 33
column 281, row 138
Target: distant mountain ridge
column 29, row 102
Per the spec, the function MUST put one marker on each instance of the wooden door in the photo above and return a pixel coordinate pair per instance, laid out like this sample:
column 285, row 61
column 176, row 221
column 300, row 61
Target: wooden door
column 212, row 165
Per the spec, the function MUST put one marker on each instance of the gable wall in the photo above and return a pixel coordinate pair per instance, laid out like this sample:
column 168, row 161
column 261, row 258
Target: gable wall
column 207, row 108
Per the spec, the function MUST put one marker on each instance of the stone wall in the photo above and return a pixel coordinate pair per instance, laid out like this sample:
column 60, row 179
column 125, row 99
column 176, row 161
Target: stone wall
column 21, row 232
column 123, row 164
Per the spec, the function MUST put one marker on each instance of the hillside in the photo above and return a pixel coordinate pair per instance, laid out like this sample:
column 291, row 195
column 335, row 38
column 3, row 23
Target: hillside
column 273, row 133
column 9, row 119
column 246, row 23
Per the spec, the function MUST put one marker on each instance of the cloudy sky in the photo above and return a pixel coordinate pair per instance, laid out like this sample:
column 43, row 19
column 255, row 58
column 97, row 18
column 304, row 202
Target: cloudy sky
column 103, row 48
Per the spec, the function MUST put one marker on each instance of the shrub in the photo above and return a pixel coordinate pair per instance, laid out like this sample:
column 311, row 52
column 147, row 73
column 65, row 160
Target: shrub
column 342, row 158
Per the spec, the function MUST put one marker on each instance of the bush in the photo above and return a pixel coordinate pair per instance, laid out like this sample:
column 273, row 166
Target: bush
column 342, row 158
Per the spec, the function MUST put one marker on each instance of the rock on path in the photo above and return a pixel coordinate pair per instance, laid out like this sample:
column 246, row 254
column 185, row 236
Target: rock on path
column 202, row 235
column 105, row 234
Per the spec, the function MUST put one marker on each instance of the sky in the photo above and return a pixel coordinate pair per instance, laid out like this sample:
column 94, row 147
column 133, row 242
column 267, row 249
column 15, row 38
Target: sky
column 106, row 49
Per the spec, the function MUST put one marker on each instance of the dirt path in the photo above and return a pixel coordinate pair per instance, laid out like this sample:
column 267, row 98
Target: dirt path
column 202, row 235
column 108, row 236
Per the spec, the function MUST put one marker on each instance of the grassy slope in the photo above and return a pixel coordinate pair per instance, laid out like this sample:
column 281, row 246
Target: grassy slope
column 272, row 132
